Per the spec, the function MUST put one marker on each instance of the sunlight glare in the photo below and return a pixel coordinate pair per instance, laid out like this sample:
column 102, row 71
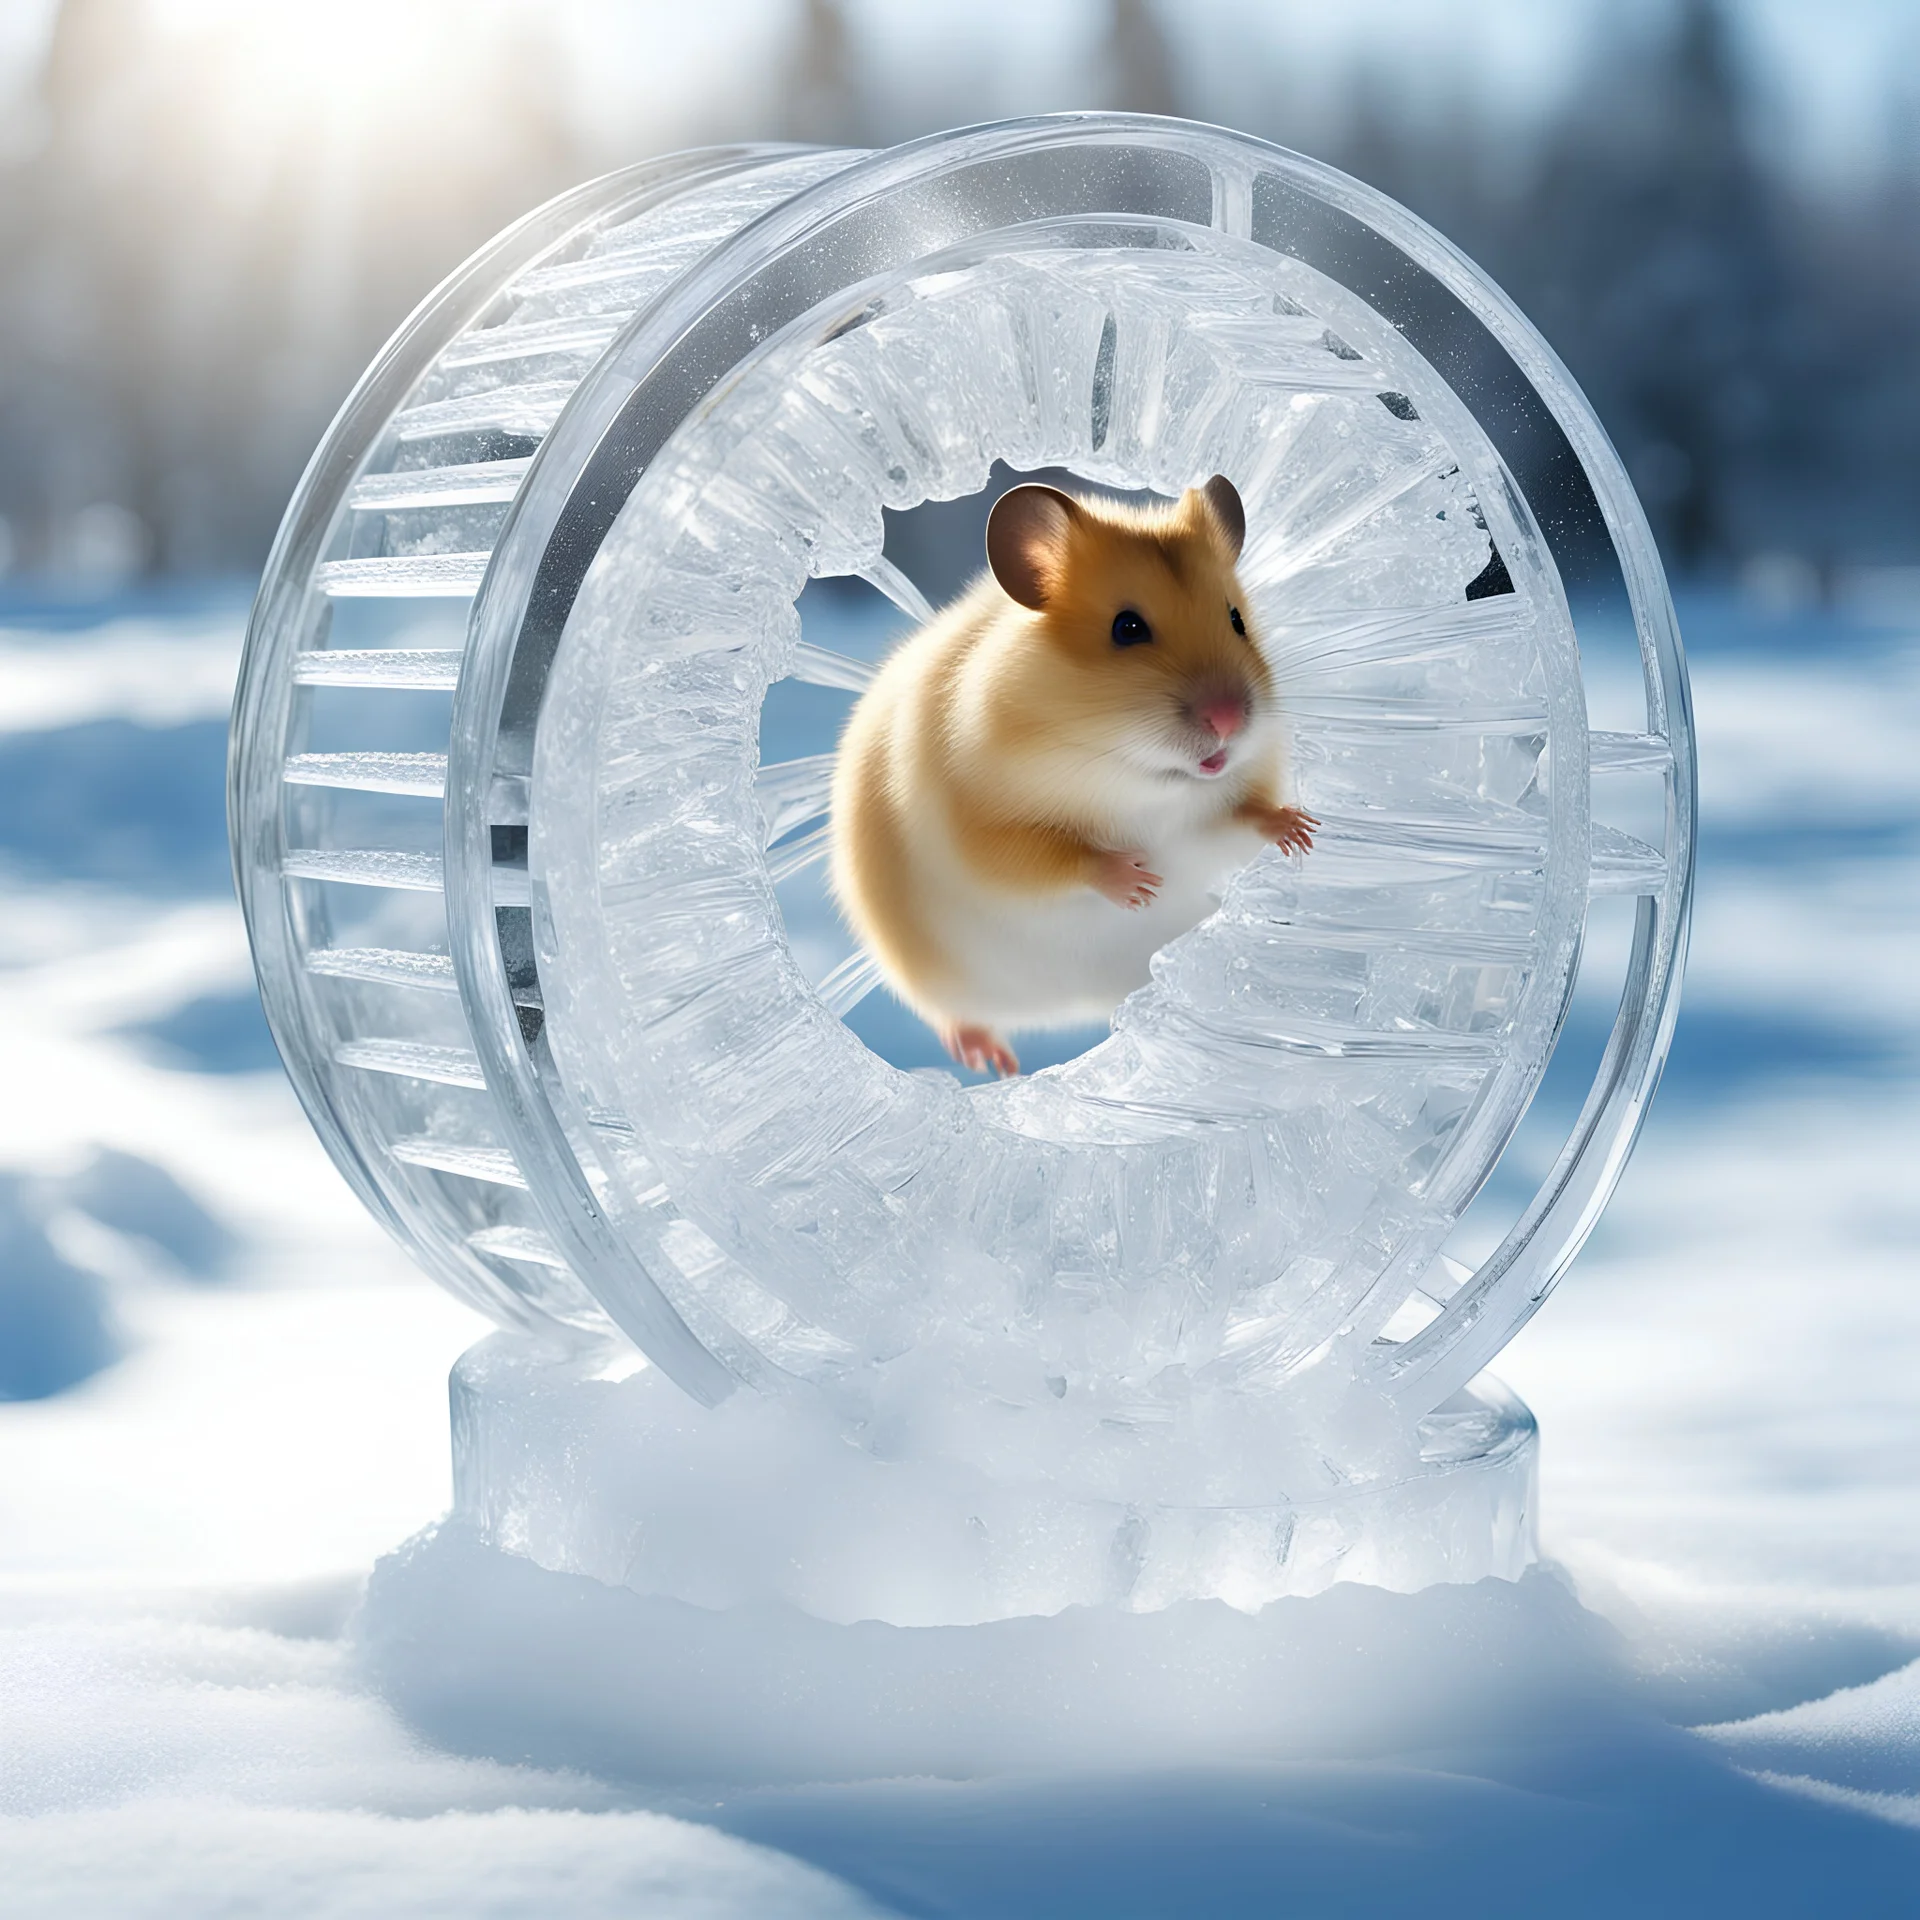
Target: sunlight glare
column 341, row 55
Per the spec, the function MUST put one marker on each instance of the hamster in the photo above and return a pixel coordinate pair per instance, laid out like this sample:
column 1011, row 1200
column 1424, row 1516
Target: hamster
column 1055, row 775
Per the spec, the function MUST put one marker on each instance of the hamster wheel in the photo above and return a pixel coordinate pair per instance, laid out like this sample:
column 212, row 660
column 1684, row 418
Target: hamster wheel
column 512, row 847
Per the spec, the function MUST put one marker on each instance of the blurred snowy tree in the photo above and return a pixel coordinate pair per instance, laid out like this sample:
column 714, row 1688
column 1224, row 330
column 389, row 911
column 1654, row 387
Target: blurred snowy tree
column 219, row 222
column 211, row 240
column 1141, row 70
column 1861, row 493
column 1653, row 260
column 819, row 87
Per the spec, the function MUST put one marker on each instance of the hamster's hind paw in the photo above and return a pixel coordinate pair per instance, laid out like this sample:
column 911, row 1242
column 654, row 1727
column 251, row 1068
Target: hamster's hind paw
column 1126, row 879
column 979, row 1048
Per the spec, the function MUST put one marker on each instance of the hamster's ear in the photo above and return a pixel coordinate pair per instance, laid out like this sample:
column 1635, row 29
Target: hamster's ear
column 1223, row 498
column 1027, row 534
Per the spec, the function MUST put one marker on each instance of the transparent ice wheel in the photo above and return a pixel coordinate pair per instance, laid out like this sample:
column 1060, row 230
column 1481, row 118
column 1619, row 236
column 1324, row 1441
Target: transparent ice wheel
column 524, row 872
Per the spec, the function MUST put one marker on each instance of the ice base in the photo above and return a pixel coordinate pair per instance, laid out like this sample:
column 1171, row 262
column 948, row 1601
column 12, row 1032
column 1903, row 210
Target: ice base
column 588, row 1464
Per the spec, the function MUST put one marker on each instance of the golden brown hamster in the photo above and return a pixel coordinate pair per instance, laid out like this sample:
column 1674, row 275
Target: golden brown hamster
column 1054, row 776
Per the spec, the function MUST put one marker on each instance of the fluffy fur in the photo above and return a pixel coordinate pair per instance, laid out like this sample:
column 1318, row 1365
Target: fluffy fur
column 1024, row 809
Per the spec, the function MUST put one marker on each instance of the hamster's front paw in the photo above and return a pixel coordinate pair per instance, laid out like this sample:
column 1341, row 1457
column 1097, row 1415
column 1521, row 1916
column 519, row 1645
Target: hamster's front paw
column 1289, row 828
column 1126, row 879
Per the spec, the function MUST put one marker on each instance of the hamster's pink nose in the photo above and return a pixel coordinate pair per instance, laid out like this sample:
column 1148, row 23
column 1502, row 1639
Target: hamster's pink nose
column 1225, row 717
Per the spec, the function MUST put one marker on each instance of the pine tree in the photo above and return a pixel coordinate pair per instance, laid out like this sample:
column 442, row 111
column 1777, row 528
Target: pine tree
column 819, row 88
column 175, row 332
column 1140, row 60
column 1651, row 257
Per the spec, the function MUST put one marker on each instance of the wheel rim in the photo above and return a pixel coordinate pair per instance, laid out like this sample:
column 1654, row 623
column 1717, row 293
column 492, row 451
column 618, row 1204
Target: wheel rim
column 1553, row 494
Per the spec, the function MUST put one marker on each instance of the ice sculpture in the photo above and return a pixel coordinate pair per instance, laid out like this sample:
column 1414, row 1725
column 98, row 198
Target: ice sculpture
column 1191, row 1315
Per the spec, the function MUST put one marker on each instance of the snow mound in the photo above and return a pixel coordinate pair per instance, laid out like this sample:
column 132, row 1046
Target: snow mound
column 55, row 1321
column 157, row 1766
column 1865, row 1739
column 1359, row 1752
column 489, row 1654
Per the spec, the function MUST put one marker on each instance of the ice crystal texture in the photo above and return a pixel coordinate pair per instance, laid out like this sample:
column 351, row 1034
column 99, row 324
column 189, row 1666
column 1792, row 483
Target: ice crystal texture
column 1161, row 1262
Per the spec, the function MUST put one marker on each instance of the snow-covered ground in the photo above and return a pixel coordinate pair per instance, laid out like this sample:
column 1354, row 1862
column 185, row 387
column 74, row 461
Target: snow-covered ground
column 241, row 1406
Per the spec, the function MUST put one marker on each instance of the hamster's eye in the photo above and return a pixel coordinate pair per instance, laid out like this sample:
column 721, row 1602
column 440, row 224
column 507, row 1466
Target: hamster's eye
column 1129, row 630
column 1239, row 625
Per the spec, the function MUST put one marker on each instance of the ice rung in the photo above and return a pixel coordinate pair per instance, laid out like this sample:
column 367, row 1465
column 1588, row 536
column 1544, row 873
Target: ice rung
column 798, row 855
column 1629, row 753
column 404, row 669
column 1288, row 353
column 1339, row 865
column 424, row 774
column 487, row 346
column 528, row 410
column 1397, row 636
column 628, row 273
column 888, row 578
column 365, row 867
column 1462, row 949
column 1341, row 1040
column 476, row 484
column 401, row 872
column 385, row 966
column 791, row 792
column 709, row 215
column 1233, row 201
column 399, row 967
column 1361, row 714
column 821, row 668
column 414, row 1060
column 1393, row 486
column 1511, row 840
column 1620, row 864
column 518, row 1243
column 845, row 986
column 406, row 576
column 492, row 1164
